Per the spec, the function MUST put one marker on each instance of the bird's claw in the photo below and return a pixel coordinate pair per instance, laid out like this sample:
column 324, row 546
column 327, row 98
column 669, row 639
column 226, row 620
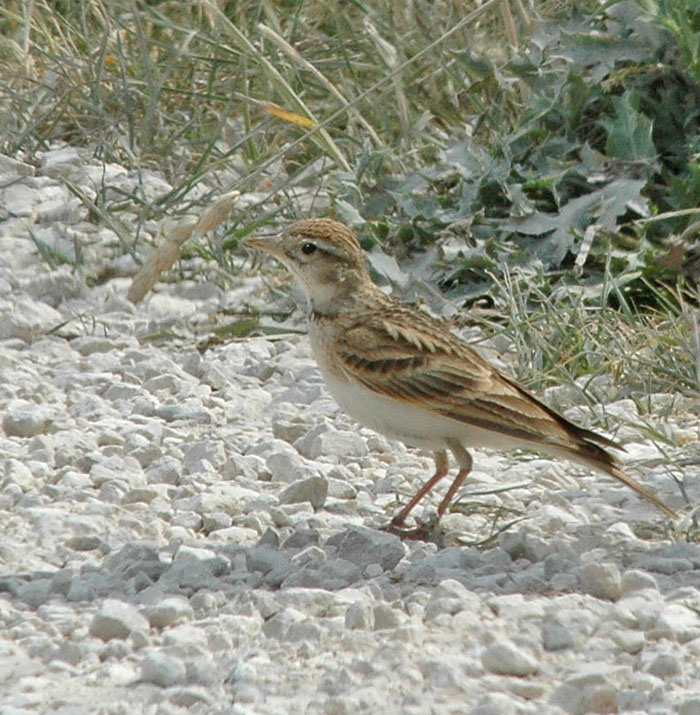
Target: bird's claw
column 423, row 532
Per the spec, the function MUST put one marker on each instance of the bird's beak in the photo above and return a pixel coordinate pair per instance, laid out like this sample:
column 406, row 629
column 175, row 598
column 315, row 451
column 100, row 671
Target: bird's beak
column 268, row 244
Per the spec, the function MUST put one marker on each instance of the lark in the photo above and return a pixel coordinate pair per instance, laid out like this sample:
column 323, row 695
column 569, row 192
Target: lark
column 407, row 376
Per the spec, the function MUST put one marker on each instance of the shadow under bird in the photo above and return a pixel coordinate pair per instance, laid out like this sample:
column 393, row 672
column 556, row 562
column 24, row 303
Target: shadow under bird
column 405, row 375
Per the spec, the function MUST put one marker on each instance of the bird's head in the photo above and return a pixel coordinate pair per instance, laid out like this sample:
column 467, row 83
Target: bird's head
column 323, row 255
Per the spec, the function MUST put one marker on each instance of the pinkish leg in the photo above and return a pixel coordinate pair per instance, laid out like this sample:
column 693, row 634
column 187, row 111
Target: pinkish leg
column 465, row 466
column 441, row 469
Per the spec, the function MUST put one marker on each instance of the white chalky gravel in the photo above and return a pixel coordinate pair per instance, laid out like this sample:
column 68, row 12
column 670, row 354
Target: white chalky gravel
column 196, row 532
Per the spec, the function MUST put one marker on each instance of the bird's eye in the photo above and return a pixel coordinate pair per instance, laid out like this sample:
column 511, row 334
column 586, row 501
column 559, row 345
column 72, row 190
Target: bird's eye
column 308, row 248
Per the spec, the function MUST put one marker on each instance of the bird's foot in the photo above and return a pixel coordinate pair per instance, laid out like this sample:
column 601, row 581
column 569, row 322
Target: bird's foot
column 422, row 532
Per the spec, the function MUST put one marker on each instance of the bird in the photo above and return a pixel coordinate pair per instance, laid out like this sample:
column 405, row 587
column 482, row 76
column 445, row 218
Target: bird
column 406, row 375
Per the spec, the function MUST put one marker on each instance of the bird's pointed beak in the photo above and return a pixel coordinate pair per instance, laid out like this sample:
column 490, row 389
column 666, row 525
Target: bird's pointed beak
column 271, row 244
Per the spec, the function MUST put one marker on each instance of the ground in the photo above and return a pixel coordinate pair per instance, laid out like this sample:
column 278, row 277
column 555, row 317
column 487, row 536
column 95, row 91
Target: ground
column 198, row 531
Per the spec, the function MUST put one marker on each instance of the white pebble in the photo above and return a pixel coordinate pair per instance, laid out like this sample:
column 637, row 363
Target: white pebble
column 505, row 658
column 162, row 669
column 117, row 619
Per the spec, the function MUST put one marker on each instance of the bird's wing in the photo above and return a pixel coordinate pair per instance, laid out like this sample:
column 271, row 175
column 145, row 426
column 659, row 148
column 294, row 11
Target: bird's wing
column 419, row 361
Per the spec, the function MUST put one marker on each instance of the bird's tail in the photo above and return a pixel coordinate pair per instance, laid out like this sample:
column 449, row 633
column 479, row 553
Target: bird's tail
column 591, row 449
column 614, row 471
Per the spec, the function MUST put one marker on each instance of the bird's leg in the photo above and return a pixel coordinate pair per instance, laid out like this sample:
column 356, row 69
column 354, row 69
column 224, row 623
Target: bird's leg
column 465, row 466
column 441, row 469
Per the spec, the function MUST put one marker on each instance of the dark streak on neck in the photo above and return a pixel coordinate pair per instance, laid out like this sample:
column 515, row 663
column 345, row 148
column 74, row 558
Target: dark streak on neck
column 318, row 315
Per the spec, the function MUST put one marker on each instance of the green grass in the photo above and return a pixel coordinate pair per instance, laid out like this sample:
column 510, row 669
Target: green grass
column 559, row 337
column 426, row 125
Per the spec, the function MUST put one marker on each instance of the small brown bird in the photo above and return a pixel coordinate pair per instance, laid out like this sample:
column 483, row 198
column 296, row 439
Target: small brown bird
column 407, row 376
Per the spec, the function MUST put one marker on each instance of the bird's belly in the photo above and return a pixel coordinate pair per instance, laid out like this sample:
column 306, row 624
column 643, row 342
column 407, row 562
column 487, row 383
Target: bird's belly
column 411, row 424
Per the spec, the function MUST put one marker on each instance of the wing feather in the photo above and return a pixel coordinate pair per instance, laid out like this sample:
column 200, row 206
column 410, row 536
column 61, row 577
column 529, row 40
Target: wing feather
column 427, row 364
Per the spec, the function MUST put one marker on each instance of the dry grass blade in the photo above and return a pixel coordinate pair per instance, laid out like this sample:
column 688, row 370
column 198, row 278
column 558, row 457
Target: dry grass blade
column 303, row 63
column 390, row 56
column 164, row 257
column 277, row 111
column 511, row 33
column 585, row 248
column 282, row 86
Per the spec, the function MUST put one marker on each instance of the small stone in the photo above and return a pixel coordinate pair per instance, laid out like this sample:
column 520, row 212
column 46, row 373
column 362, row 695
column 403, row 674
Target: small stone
column 602, row 580
column 386, row 617
column 289, row 431
column 633, row 700
column 210, row 450
column 116, row 619
column 186, row 636
column 270, row 538
column 60, row 583
column 556, row 636
column 80, row 589
column 144, row 454
column 630, row 641
column 36, row 592
column 668, row 566
column 59, row 162
column 373, row 571
column 678, row 622
column 359, row 616
column 518, row 545
column 441, row 672
column 324, row 440
column 25, row 419
column 89, row 344
column 195, row 567
column 341, row 489
column 505, row 658
column 187, row 520
column 665, row 665
column 600, row 699
column 306, row 631
column 69, row 652
column 495, row 704
column 166, row 470
column 285, row 465
column 169, row 611
column 309, row 556
column 162, row 669
column 56, row 287
column 189, row 696
column 215, row 521
column 278, row 625
column 17, row 473
column 313, row 490
column 438, row 607
column 201, row 671
column 144, row 495
column 301, row 538
column 364, row 546
column 10, row 165
column 264, row 560
column 27, row 319
column 451, row 588
column 84, row 542
column 635, row 580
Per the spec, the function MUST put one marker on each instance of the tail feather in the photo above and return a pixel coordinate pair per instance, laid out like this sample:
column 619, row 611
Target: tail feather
column 590, row 448
column 615, row 471
column 595, row 456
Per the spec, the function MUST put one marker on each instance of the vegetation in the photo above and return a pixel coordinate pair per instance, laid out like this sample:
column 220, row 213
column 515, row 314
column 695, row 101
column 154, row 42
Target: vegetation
column 540, row 186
